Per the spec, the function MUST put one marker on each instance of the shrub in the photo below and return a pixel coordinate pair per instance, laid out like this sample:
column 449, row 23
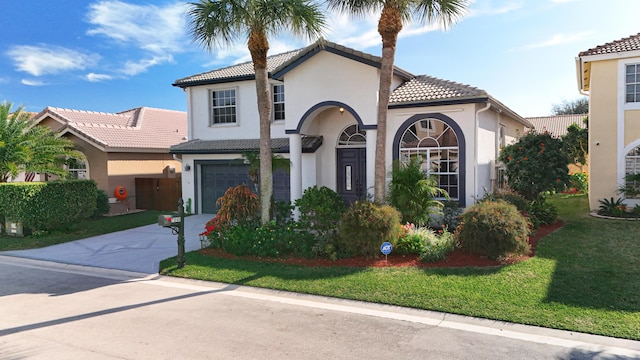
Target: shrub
column 536, row 163
column 451, row 214
column 413, row 193
column 102, row 204
column 509, row 196
column 238, row 205
column 282, row 212
column 611, row 207
column 579, row 181
column 54, row 205
column 542, row 212
column 494, row 229
column 437, row 246
column 365, row 226
column 269, row 240
column 320, row 212
column 413, row 241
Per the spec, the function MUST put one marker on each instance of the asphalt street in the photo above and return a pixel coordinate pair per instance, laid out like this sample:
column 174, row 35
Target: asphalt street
column 52, row 310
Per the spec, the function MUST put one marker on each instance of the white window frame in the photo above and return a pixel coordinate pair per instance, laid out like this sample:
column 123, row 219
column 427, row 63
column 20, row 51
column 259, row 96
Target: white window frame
column 622, row 85
column 635, row 83
column 213, row 108
column 80, row 172
column 431, row 155
column 274, row 102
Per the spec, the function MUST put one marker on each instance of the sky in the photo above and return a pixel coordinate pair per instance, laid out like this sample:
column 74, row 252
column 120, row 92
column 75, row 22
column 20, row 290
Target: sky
column 111, row 56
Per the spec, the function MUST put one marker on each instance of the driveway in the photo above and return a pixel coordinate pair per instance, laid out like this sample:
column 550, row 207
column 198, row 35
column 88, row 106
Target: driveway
column 138, row 249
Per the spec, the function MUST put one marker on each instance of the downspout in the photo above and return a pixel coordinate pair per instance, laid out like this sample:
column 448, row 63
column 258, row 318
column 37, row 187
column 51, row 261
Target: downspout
column 475, row 151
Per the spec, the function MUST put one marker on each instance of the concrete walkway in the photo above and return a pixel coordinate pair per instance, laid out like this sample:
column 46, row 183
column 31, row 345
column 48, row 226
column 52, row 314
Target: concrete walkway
column 138, row 249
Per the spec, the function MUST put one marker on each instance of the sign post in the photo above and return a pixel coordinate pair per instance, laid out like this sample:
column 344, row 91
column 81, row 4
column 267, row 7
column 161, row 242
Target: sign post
column 386, row 248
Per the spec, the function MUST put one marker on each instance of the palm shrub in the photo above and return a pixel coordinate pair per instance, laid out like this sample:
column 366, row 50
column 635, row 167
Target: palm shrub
column 365, row 226
column 413, row 193
column 494, row 229
column 542, row 212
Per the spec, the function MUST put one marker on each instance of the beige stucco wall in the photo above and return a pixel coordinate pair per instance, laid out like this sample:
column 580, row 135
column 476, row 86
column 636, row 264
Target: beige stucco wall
column 631, row 126
column 603, row 131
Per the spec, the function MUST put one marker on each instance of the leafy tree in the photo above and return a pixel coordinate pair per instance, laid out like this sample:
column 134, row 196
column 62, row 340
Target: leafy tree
column 393, row 14
column 577, row 106
column 218, row 23
column 25, row 147
column 576, row 143
column 535, row 163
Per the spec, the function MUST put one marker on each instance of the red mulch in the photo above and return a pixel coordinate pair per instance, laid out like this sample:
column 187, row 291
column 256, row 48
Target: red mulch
column 457, row 258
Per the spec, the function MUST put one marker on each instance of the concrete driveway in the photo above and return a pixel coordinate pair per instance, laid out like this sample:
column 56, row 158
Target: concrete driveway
column 138, row 249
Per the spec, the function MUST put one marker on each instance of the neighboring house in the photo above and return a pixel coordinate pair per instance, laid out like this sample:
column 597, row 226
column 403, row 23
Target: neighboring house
column 610, row 75
column 324, row 121
column 120, row 147
column 557, row 126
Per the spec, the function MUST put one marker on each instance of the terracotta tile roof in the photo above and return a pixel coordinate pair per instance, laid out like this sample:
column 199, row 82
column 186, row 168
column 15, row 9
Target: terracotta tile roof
column 424, row 88
column 279, row 145
column 140, row 129
column 631, row 43
column 557, row 125
column 278, row 64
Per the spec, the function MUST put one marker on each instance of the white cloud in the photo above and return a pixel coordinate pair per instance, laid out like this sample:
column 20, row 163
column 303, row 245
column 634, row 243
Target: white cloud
column 49, row 59
column 488, row 8
column 558, row 39
column 132, row 68
column 32, row 82
column 93, row 77
column 158, row 29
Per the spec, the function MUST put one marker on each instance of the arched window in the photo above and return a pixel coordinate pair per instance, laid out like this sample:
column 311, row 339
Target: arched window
column 435, row 144
column 632, row 166
column 352, row 136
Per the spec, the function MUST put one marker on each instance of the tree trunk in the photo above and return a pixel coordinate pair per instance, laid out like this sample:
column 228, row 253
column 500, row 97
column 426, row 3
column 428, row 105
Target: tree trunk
column 258, row 47
column 389, row 26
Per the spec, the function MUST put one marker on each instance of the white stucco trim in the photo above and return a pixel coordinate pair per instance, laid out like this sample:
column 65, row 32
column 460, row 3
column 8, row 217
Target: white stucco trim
column 371, row 160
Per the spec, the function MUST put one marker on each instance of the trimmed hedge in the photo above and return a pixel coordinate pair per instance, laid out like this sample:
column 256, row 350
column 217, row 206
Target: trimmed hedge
column 48, row 205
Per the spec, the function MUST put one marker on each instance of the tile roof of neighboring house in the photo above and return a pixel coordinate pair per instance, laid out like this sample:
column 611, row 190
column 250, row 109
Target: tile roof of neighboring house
column 557, row 125
column 425, row 88
column 279, row 145
column 278, row 65
column 630, row 43
column 140, row 129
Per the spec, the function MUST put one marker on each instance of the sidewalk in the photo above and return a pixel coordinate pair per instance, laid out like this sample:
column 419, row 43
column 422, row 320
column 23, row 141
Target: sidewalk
column 138, row 249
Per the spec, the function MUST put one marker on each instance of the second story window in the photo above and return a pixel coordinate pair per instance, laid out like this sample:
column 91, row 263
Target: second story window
column 278, row 102
column 632, row 83
column 223, row 107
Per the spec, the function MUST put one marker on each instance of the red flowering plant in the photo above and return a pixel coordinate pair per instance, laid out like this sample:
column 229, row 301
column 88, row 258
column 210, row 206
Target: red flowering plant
column 535, row 164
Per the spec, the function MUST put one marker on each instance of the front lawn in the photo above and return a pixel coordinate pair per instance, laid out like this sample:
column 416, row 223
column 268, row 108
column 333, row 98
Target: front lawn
column 585, row 277
column 81, row 230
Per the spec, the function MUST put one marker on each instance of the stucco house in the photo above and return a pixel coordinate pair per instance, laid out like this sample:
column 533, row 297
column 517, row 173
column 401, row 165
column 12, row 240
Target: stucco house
column 120, row 147
column 324, row 121
column 610, row 75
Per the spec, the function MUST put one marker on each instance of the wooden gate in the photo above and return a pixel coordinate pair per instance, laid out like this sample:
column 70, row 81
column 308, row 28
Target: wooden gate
column 158, row 193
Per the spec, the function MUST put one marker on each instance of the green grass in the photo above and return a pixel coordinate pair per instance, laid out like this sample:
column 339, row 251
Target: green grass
column 81, row 230
column 585, row 277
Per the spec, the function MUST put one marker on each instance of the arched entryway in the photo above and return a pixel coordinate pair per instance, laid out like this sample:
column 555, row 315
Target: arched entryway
column 351, row 162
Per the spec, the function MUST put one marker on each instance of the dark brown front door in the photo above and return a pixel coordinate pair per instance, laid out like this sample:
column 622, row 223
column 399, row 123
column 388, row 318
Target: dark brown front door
column 352, row 173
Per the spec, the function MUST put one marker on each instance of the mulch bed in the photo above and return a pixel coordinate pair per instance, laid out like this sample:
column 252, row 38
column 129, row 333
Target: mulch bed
column 457, row 258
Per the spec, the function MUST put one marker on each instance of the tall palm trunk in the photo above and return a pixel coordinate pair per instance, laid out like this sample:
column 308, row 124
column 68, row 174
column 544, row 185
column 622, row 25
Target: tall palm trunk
column 389, row 26
column 258, row 47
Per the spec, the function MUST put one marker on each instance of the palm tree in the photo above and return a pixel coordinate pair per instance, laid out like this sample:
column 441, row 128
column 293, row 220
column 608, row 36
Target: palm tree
column 252, row 158
column 216, row 23
column 25, row 147
column 393, row 14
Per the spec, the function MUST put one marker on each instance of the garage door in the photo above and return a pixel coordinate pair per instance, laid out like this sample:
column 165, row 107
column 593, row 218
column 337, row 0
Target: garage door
column 217, row 178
